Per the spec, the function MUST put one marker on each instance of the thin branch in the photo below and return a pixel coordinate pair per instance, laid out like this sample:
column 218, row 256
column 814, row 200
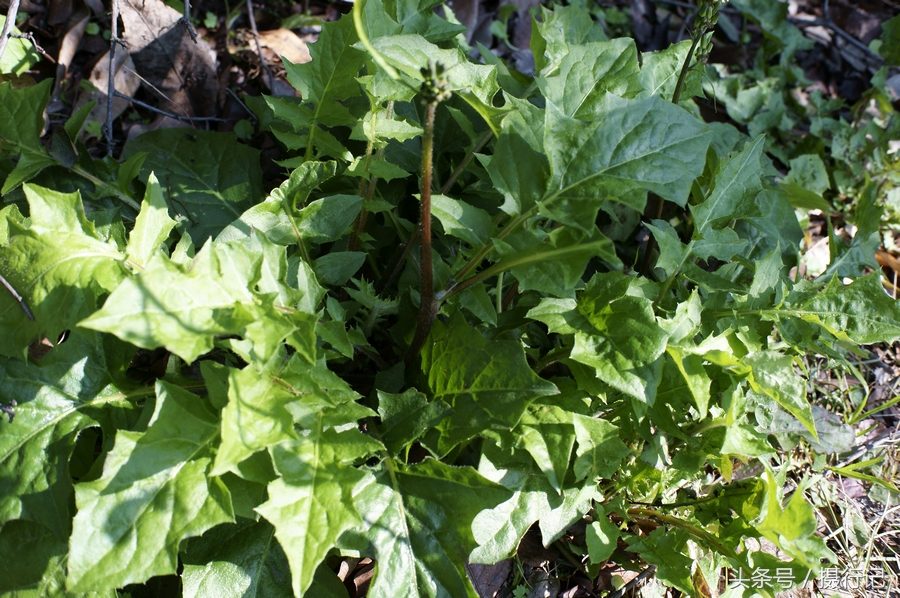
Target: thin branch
column 111, row 84
column 462, row 165
column 17, row 297
column 628, row 587
column 243, row 105
column 30, row 37
column 8, row 25
column 171, row 114
column 840, row 32
column 186, row 21
column 259, row 52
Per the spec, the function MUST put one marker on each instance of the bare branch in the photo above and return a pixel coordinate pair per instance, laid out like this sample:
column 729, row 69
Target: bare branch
column 262, row 60
column 186, row 20
column 7, row 26
column 18, row 297
column 111, row 84
column 172, row 114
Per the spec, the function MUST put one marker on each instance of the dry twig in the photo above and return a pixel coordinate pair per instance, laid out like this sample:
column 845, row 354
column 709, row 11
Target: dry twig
column 7, row 26
column 111, row 84
column 259, row 52
column 186, row 20
column 171, row 114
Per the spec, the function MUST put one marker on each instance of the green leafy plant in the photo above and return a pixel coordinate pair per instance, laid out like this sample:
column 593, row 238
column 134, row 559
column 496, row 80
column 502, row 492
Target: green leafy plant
column 303, row 412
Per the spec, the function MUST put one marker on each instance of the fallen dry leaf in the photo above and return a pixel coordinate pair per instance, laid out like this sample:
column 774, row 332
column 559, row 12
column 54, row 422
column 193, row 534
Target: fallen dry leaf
column 284, row 42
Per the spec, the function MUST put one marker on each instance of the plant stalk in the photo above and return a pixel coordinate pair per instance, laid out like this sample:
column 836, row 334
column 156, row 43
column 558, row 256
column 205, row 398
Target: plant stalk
column 394, row 272
column 656, row 207
column 428, row 306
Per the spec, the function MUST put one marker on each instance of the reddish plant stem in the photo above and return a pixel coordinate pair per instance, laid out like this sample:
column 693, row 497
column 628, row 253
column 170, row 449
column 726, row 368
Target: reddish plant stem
column 393, row 273
column 428, row 306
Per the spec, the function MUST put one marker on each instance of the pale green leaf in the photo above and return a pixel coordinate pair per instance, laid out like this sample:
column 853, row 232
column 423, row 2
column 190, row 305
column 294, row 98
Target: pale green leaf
column 600, row 451
column 498, row 531
column 558, row 30
column 337, row 267
column 632, row 146
column 660, row 71
column 418, row 16
column 672, row 252
column 326, row 219
column 417, row 523
column 625, row 341
column 255, row 416
column 859, row 256
column 240, row 560
column 40, row 561
column 860, row 312
column 154, row 492
column 311, row 505
column 55, row 401
column 735, row 186
column 590, row 71
column 745, row 441
column 384, row 128
column 331, row 74
column 695, row 376
column 379, row 169
column 152, row 225
column 553, row 263
column 20, row 54
column 21, row 115
column 773, row 375
column 462, row 220
column 59, row 265
column 547, row 433
column 665, row 548
column 182, row 308
column 601, row 537
column 518, row 167
column 792, row 528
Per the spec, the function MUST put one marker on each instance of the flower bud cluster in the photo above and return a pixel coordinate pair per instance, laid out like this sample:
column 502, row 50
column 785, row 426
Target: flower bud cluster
column 707, row 17
column 436, row 87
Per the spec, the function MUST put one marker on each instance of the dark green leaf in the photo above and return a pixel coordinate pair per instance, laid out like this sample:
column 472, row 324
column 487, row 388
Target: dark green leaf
column 405, row 417
column 55, row 401
column 208, row 175
column 488, row 383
